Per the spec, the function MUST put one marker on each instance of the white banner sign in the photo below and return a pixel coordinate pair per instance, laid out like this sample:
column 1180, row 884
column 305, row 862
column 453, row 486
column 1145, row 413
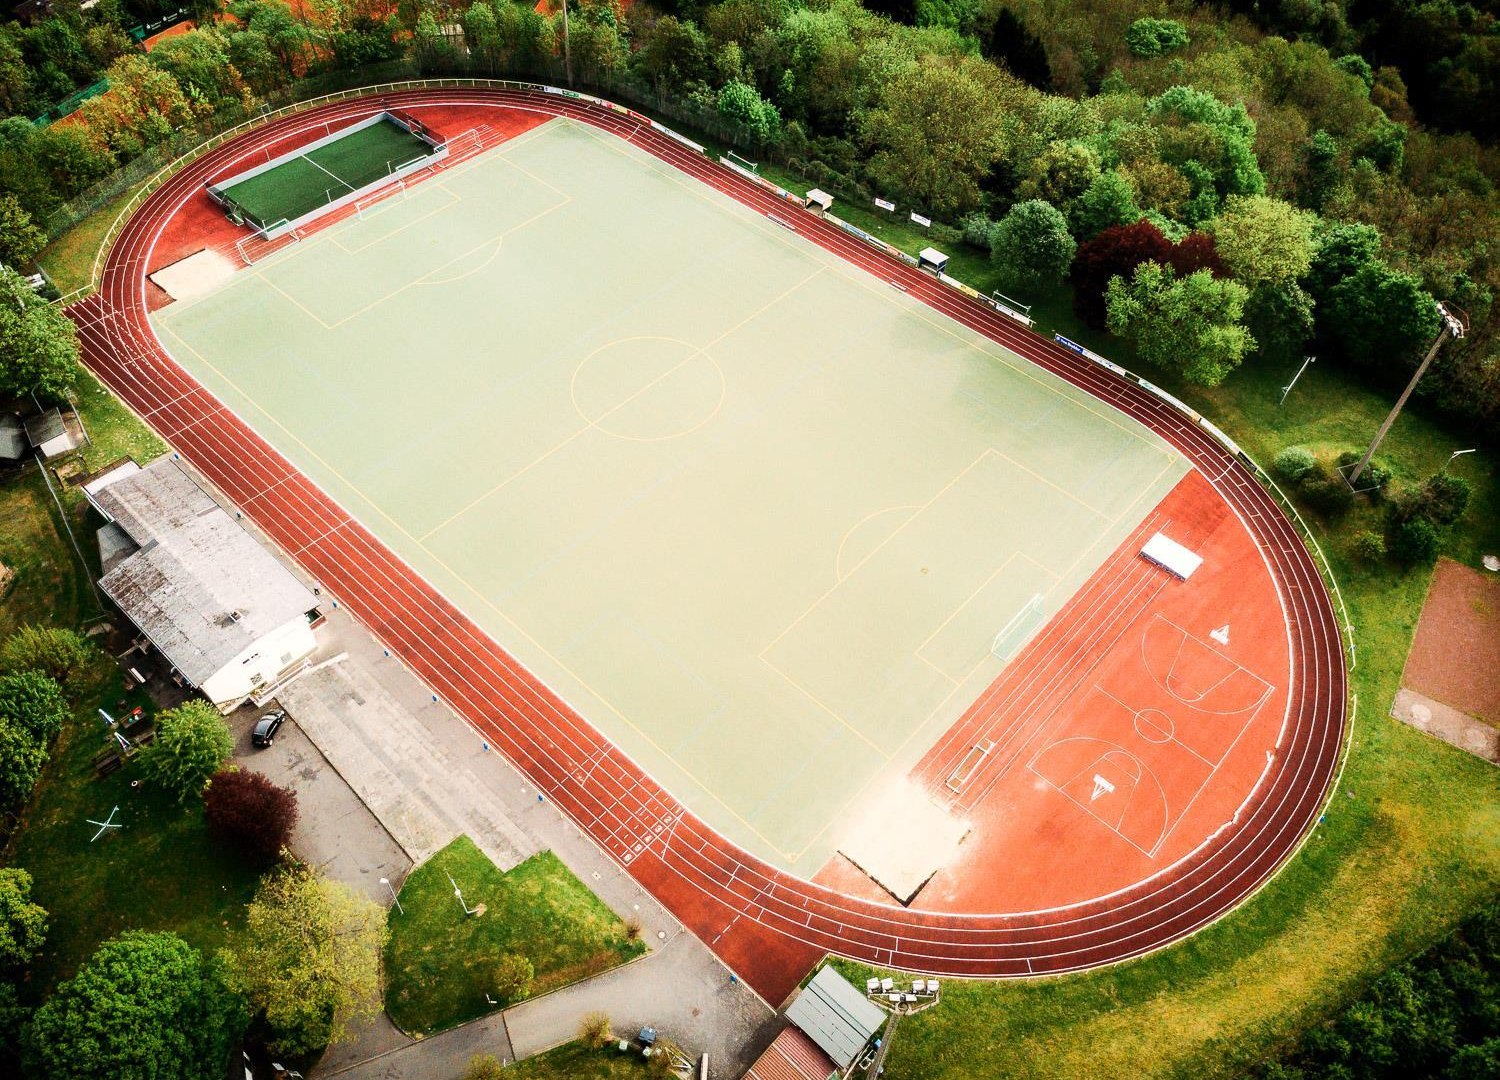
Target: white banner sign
column 926, row 223
column 886, row 205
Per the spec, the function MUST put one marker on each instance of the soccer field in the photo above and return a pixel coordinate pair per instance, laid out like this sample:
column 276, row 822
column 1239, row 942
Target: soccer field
column 301, row 184
column 756, row 514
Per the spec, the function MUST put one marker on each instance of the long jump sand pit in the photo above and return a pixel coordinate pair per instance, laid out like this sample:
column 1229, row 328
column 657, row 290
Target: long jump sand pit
column 755, row 514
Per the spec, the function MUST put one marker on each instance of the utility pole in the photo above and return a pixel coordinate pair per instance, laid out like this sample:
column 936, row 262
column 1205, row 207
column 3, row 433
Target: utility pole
column 1452, row 324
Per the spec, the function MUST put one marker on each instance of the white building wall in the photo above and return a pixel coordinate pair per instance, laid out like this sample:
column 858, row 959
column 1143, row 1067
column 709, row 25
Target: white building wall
column 259, row 665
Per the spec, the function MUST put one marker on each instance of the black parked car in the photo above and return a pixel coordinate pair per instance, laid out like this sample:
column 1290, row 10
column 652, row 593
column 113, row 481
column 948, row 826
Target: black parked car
column 266, row 728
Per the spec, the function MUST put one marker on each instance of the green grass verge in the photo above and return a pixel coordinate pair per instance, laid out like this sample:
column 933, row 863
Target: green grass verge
column 439, row 962
column 574, row 1061
column 69, row 259
column 47, row 587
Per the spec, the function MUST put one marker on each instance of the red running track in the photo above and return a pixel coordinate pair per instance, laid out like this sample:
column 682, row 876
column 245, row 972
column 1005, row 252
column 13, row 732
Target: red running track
column 767, row 924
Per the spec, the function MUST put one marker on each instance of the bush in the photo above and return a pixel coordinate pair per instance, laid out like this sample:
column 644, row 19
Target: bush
column 249, row 810
column 192, row 743
column 594, row 1031
column 23, row 925
column 1415, row 541
column 1155, row 37
column 1294, row 463
column 978, row 230
column 484, row 1067
column 1443, row 499
column 1326, row 493
column 21, row 761
column 1369, row 546
column 34, row 702
column 60, row 654
column 513, row 975
column 1376, row 477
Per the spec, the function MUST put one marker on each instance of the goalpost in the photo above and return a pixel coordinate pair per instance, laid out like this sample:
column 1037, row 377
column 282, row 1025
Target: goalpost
column 1015, row 631
column 744, row 162
column 369, row 202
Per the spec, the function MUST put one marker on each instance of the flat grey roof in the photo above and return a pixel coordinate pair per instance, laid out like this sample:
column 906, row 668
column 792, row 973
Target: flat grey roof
column 200, row 586
column 45, row 426
column 836, row 1016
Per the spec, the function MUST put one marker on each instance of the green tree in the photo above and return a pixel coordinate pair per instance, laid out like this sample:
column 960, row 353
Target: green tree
column 743, row 104
column 21, row 759
column 34, row 703
column 1340, row 250
column 1032, row 246
column 1060, row 173
column 673, row 54
column 199, row 61
column 1280, row 318
column 1381, row 316
column 1109, row 200
column 1189, row 324
column 143, row 1007
column 192, row 743
column 38, row 343
column 1264, row 241
column 1155, row 37
column 20, row 240
column 936, row 130
column 309, row 958
column 23, row 924
column 59, row 653
column 1414, row 541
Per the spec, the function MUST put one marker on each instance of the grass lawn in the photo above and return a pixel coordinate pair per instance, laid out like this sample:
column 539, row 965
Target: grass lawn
column 439, row 963
column 574, row 1061
column 48, row 587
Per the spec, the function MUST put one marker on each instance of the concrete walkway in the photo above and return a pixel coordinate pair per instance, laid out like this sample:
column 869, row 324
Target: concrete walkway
column 428, row 778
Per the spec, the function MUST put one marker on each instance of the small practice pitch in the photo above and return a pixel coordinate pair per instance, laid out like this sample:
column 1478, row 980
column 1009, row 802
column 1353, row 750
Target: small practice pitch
column 768, row 522
column 306, row 181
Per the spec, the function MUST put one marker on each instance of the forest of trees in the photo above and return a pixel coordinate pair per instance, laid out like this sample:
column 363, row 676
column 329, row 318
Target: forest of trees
column 1218, row 184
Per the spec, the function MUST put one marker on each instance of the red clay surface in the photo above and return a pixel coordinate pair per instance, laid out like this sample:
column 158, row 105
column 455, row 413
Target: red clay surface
column 1455, row 658
column 768, row 925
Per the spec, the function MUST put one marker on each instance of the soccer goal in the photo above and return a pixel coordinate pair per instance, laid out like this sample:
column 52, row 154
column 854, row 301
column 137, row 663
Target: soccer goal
column 271, row 239
column 1015, row 632
column 370, row 203
column 744, row 162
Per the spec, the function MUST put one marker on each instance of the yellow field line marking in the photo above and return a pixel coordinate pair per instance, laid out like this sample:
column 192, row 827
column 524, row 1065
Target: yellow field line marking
column 838, row 557
column 820, row 703
column 875, row 550
column 626, row 401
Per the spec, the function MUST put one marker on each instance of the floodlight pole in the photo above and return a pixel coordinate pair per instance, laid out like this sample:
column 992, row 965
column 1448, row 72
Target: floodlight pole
column 567, row 46
column 1451, row 326
column 394, row 898
column 1287, row 389
column 467, row 909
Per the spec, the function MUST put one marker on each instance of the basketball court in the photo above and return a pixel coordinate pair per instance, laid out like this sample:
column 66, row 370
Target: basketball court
column 769, row 523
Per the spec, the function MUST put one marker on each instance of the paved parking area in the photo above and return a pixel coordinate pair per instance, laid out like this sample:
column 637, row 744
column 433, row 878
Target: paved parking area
column 335, row 830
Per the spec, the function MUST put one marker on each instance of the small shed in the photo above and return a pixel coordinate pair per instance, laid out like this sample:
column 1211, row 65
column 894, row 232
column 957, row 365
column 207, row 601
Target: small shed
column 48, row 434
column 819, row 201
column 13, row 443
column 932, row 259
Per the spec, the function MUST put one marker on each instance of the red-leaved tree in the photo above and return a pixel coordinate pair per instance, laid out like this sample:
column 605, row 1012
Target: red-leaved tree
column 1119, row 249
column 249, row 810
